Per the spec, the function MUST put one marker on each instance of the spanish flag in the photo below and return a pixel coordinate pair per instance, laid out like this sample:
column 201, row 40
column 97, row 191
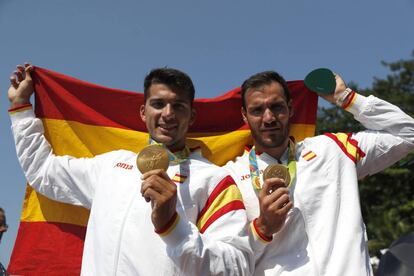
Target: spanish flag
column 83, row 119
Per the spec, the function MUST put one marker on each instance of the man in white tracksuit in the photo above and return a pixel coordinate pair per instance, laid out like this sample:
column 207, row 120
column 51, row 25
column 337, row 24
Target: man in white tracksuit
column 313, row 225
column 195, row 227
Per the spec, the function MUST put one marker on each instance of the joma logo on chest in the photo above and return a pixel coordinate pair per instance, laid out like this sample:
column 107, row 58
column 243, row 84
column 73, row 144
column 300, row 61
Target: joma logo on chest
column 123, row 166
column 247, row 176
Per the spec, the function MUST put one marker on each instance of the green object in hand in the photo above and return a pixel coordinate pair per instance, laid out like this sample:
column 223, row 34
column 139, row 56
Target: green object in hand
column 321, row 81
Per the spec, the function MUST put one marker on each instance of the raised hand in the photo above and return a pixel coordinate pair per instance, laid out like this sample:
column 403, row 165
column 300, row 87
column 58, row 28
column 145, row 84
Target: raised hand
column 158, row 188
column 339, row 89
column 3, row 228
column 21, row 87
column 274, row 206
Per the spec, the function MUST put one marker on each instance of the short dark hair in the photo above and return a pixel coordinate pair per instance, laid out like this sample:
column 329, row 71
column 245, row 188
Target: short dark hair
column 176, row 80
column 4, row 214
column 260, row 79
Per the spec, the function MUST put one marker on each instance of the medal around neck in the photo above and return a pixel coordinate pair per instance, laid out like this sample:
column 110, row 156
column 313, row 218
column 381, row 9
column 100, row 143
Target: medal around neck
column 277, row 171
column 321, row 81
column 152, row 157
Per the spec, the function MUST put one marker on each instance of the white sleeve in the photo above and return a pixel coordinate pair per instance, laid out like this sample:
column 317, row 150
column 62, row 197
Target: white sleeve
column 61, row 178
column 220, row 247
column 258, row 241
column 389, row 135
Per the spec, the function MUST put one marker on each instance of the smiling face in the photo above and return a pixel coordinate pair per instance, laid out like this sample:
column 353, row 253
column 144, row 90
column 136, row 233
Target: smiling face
column 268, row 114
column 167, row 115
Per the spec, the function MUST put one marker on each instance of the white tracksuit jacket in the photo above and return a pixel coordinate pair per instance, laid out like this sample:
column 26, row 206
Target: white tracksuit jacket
column 120, row 238
column 324, row 233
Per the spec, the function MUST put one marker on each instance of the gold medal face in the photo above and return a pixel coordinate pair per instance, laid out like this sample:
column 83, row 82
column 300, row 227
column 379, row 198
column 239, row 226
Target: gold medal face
column 151, row 158
column 277, row 171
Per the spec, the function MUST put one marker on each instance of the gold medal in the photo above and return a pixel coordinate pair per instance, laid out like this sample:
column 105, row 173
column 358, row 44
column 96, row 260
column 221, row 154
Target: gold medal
column 277, row 171
column 152, row 157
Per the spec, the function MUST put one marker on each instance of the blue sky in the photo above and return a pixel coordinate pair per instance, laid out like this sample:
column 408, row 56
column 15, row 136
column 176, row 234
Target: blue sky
column 218, row 43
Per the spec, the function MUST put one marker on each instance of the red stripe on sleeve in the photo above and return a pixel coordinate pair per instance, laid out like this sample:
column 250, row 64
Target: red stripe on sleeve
column 20, row 107
column 341, row 146
column 351, row 141
column 224, row 183
column 348, row 103
column 354, row 142
column 169, row 224
column 231, row 206
column 262, row 236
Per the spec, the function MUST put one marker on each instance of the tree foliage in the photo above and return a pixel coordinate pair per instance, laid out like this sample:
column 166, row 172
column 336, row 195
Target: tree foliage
column 387, row 198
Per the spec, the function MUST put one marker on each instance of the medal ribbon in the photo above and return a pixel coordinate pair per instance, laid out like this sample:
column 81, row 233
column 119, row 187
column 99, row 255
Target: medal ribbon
column 176, row 157
column 255, row 172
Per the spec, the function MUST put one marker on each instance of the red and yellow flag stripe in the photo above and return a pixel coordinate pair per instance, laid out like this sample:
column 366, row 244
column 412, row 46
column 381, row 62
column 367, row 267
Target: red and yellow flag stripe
column 348, row 145
column 178, row 178
column 309, row 155
column 225, row 197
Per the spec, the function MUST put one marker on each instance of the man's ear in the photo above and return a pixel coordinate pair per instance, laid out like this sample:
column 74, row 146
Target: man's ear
column 142, row 113
column 291, row 111
column 193, row 116
column 243, row 112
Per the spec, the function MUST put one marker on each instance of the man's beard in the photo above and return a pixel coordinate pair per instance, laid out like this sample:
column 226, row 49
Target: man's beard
column 278, row 141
